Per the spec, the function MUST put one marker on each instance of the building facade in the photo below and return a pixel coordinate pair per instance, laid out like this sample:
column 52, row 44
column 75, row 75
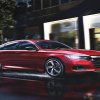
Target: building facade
column 74, row 22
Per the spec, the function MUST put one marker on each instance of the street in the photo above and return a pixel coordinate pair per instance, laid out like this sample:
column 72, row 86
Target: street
column 71, row 88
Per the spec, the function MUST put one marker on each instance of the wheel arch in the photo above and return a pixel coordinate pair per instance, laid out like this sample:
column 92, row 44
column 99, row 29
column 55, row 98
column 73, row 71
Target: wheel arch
column 54, row 57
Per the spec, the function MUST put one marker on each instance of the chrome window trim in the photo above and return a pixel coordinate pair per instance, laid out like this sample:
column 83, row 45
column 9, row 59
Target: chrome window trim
column 95, row 56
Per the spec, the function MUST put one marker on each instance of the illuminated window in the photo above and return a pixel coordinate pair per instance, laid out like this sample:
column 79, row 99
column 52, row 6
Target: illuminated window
column 65, row 31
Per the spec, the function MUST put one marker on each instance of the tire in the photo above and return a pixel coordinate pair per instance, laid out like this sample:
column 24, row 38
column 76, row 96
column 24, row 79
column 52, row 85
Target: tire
column 54, row 67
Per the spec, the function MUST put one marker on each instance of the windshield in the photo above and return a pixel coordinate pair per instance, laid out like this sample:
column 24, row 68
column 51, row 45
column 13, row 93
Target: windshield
column 52, row 45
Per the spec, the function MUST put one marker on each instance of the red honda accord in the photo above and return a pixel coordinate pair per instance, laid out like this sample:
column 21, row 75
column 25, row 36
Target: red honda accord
column 45, row 57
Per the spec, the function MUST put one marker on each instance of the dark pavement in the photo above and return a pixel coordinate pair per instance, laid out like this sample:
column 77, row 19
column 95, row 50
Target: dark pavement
column 77, row 88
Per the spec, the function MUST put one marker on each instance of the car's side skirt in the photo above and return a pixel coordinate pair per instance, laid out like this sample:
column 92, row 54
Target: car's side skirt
column 24, row 75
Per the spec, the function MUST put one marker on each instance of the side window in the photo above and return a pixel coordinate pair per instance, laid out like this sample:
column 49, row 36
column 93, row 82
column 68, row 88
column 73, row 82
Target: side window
column 26, row 46
column 2, row 47
column 12, row 46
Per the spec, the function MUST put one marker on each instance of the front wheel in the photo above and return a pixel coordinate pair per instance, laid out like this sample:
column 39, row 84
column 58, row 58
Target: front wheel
column 54, row 67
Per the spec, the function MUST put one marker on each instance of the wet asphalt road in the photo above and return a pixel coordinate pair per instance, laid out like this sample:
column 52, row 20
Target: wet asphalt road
column 68, row 89
column 15, row 97
column 7, row 94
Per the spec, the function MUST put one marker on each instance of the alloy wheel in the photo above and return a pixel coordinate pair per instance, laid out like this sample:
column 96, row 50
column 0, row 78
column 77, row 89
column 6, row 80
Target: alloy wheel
column 54, row 67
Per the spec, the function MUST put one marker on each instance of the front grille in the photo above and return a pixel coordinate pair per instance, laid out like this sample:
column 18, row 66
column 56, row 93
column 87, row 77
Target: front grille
column 96, row 61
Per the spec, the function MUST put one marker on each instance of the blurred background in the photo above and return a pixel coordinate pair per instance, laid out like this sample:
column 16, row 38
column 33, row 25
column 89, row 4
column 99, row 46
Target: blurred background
column 74, row 22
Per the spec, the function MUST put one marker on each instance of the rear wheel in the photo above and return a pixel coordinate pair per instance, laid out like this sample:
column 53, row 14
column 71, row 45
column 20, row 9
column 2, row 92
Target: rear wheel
column 54, row 67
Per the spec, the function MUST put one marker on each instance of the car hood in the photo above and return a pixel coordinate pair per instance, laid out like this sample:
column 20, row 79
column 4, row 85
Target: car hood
column 75, row 51
column 87, row 52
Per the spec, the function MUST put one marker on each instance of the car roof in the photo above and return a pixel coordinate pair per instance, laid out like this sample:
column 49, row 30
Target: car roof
column 15, row 41
column 32, row 40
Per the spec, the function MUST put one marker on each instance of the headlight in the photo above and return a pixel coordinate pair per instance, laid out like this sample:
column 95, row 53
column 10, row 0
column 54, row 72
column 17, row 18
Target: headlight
column 78, row 57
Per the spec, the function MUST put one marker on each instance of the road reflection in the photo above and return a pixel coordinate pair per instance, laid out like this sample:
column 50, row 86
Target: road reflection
column 71, row 88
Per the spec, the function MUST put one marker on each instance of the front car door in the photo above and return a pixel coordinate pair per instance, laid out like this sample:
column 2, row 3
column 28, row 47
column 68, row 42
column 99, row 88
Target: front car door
column 26, row 56
column 20, row 56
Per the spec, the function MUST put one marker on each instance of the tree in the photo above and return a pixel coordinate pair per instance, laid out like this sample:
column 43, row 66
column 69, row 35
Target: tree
column 7, row 8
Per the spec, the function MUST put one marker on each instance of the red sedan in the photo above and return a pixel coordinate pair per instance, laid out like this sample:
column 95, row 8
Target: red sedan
column 45, row 57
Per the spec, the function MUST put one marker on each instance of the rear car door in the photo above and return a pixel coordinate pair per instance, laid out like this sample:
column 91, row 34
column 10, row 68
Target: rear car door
column 8, row 55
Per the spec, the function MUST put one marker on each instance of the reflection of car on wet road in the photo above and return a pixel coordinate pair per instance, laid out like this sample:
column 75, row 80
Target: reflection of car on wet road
column 22, row 58
column 52, row 89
